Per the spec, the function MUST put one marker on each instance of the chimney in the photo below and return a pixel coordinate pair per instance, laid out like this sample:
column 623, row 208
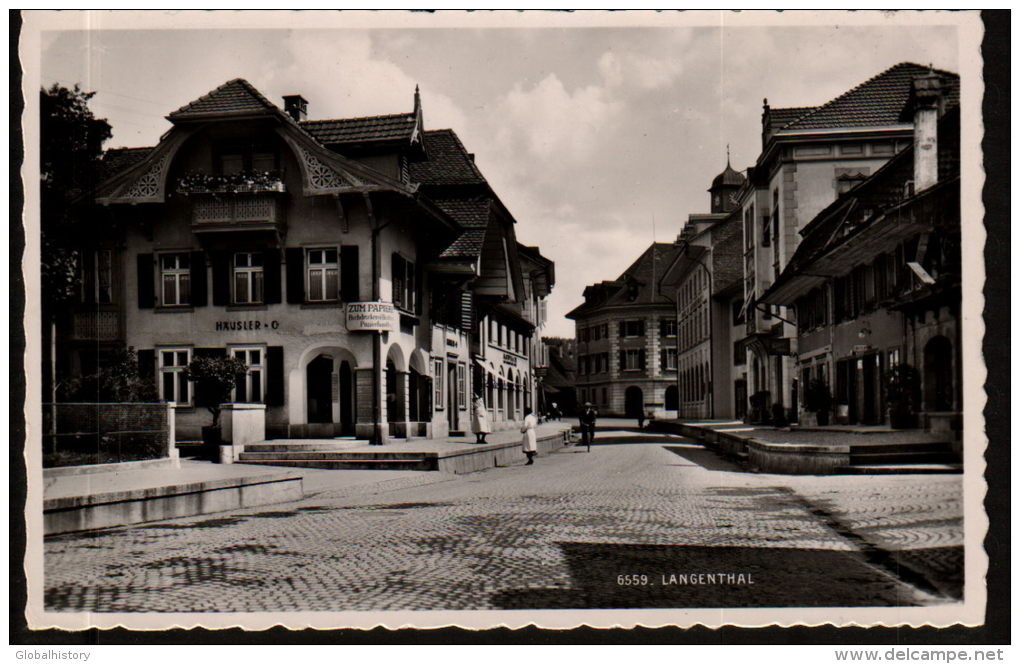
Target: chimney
column 296, row 107
column 926, row 102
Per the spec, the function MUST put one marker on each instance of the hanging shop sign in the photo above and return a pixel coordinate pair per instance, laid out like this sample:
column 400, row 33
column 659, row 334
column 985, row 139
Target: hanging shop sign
column 372, row 317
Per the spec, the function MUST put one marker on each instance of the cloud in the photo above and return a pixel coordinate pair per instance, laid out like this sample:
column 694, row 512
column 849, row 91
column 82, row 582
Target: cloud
column 339, row 74
column 638, row 70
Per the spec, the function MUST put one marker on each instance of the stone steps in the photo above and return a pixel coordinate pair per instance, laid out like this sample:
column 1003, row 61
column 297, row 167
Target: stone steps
column 903, row 458
column 904, row 469
column 328, row 462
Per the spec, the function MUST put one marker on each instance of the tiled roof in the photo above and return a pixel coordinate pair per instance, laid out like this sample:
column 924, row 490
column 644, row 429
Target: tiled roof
column 236, row 97
column 782, row 116
column 876, row 102
column 398, row 127
column 637, row 285
column 116, row 160
column 469, row 213
column 468, row 245
column 448, row 163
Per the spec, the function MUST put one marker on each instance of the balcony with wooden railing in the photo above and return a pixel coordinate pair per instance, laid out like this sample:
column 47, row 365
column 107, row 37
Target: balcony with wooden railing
column 236, row 202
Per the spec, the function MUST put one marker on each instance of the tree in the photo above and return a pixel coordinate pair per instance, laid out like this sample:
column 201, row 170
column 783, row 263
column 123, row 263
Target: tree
column 71, row 148
column 214, row 378
column 117, row 382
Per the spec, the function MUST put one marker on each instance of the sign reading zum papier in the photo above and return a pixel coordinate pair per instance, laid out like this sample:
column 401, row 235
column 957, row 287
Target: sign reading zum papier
column 372, row 317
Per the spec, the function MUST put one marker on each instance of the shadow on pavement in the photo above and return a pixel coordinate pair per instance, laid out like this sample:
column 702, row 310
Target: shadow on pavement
column 716, row 577
column 700, row 456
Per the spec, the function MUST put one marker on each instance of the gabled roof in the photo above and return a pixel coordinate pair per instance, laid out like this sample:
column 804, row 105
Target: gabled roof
column 397, row 127
column 875, row 103
column 638, row 285
column 449, row 163
column 235, row 97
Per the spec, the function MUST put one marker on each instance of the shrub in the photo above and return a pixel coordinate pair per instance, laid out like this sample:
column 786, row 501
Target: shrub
column 214, row 378
column 902, row 395
column 117, row 382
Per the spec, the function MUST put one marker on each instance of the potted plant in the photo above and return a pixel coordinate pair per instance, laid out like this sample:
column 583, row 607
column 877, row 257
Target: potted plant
column 818, row 400
column 902, row 385
column 215, row 379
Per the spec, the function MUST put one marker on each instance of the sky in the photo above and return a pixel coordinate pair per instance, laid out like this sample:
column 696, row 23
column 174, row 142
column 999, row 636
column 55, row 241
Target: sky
column 596, row 139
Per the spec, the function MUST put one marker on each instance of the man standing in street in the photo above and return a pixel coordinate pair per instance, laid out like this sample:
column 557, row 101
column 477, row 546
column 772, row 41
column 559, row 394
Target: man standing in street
column 587, row 418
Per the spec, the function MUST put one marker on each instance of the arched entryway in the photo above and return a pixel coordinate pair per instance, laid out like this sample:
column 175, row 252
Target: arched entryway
column 672, row 398
column 319, row 381
column 330, row 393
column 633, row 402
column 938, row 375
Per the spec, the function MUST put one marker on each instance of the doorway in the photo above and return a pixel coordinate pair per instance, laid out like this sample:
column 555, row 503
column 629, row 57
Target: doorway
column 451, row 396
column 347, row 407
column 319, row 377
column 633, row 402
column 938, row 375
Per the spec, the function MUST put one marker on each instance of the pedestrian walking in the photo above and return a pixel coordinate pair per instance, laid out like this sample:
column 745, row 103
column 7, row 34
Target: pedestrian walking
column 480, row 420
column 641, row 420
column 529, row 439
column 587, row 419
column 555, row 411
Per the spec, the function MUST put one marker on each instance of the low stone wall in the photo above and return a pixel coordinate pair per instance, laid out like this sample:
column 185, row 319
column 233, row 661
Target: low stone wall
column 121, row 508
column 796, row 459
column 761, row 456
column 497, row 454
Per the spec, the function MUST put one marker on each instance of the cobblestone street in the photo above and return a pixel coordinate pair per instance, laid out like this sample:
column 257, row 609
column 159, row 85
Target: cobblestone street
column 559, row 534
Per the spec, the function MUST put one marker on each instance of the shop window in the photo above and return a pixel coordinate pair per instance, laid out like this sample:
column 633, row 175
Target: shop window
column 323, row 275
column 175, row 277
column 173, row 386
column 251, row 387
column 248, row 278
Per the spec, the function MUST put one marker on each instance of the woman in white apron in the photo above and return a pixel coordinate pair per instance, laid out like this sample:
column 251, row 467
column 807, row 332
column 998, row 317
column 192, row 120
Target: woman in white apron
column 529, row 439
column 480, row 421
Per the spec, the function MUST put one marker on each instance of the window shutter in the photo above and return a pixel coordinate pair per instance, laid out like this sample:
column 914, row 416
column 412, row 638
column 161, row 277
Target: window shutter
column 623, row 360
column 350, row 275
column 295, row 275
column 146, row 281
column 641, row 360
column 271, row 276
column 203, row 397
column 274, row 376
column 147, row 364
column 662, row 359
column 623, row 328
column 397, row 280
column 199, row 290
column 466, row 312
column 221, row 278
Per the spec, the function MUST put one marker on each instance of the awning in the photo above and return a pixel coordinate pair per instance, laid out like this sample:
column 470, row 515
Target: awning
column 487, row 366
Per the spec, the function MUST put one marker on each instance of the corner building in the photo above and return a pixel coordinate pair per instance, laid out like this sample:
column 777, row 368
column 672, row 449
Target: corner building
column 626, row 336
column 309, row 251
